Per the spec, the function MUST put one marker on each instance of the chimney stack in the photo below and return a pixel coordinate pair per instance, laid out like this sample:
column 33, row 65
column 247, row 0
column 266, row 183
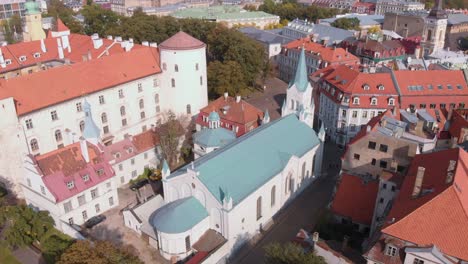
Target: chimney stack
column 238, row 98
column 368, row 129
column 97, row 42
column 418, row 182
column 60, row 49
column 84, row 149
column 226, row 95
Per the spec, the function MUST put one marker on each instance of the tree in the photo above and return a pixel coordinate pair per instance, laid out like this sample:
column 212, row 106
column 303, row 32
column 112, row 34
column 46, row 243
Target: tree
column 290, row 253
column 8, row 33
column 97, row 252
column 225, row 77
column 53, row 247
column 169, row 137
column 98, row 19
column 291, row 10
column 23, row 226
column 57, row 9
column 16, row 24
column 374, row 30
column 346, row 23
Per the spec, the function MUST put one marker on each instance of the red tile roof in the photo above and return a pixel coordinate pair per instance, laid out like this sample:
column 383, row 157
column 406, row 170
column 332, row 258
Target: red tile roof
column 67, row 164
column 355, row 199
column 181, row 41
column 439, row 217
column 61, row 26
column 405, row 79
column 328, row 54
column 146, row 140
column 351, row 81
column 75, row 80
column 457, row 123
column 241, row 113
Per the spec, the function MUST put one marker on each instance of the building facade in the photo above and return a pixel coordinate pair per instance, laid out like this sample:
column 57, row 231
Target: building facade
column 433, row 37
column 385, row 6
column 324, row 34
column 12, row 7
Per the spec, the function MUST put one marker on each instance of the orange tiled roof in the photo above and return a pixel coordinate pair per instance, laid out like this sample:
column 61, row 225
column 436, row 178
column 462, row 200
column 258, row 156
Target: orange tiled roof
column 75, row 80
column 355, row 199
column 457, row 123
column 328, row 54
column 146, row 140
column 61, row 26
column 241, row 113
column 181, row 41
column 405, row 79
column 439, row 217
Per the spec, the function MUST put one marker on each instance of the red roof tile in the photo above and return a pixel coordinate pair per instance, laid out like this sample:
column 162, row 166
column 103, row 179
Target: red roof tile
column 61, row 26
column 67, row 164
column 75, row 80
column 182, row 41
column 146, row 140
column 457, row 123
column 439, row 217
column 355, row 199
column 328, row 54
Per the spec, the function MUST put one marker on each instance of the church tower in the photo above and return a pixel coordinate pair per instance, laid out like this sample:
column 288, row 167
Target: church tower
column 299, row 94
column 33, row 23
column 435, row 25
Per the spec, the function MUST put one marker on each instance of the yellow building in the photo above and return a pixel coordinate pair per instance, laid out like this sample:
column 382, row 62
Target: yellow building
column 33, row 23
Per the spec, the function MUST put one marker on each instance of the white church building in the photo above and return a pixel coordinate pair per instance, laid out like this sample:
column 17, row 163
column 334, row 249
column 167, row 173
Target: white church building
column 232, row 193
column 130, row 87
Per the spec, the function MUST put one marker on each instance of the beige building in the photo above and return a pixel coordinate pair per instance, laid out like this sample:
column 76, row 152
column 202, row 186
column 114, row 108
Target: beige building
column 33, row 23
column 387, row 6
column 433, row 38
column 404, row 24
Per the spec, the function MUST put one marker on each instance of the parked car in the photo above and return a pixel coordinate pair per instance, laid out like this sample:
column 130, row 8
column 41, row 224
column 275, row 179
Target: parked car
column 94, row 221
column 139, row 184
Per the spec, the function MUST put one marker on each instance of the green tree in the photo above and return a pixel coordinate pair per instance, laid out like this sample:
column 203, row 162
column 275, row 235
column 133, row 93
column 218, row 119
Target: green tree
column 97, row 252
column 463, row 43
column 346, row 23
column 98, row 19
column 374, row 30
column 169, row 136
column 8, row 33
column 16, row 24
column 57, row 9
column 290, row 253
column 225, row 77
column 53, row 247
column 22, row 225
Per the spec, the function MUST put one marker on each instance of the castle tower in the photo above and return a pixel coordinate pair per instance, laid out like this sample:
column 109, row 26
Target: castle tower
column 184, row 82
column 299, row 95
column 435, row 25
column 33, row 23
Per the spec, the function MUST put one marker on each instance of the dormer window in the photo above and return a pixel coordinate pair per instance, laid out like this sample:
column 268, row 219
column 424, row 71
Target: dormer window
column 391, row 101
column 85, row 177
column 130, row 150
column 70, row 184
column 366, row 86
column 22, row 58
column 373, row 101
column 346, row 99
column 100, row 172
column 117, row 155
column 8, row 62
column 356, row 100
column 380, row 87
column 37, row 55
column 340, row 95
column 390, row 250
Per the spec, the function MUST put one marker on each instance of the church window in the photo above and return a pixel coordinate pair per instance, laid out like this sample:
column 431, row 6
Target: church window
column 173, row 83
column 141, row 103
column 101, row 99
column 58, row 135
column 79, row 108
column 124, row 122
column 259, row 208
column 142, row 115
column 121, row 94
column 273, row 195
column 140, row 87
column 156, row 98
column 34, row 145
column 81, row 126
column 29, row 124
column 176, row 68
column 187, row 244
column 313, row 164
column 158, row 109
column 189, row 109
column 122, row 110
column 104, row 118
column 54, row 115
column 164, row 66
column 196, row 66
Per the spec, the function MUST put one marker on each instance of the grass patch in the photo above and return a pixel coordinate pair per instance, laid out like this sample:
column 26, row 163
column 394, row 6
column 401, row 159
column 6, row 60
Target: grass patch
column 6, row 257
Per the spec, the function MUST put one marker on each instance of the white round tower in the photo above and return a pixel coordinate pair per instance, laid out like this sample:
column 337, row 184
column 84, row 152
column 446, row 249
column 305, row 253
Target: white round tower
column 184, row 82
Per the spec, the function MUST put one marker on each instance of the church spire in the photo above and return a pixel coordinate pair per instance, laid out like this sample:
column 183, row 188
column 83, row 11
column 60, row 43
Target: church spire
column 300, row 79
column 437, row 11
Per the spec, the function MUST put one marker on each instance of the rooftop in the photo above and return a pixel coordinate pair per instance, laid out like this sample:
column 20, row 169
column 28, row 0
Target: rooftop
column 265, row 36
column 214, row 137
column 181, row 41
column 434, row 82
column 221, row 13
column 272, row 145
column 364, row 20
column 334, row 35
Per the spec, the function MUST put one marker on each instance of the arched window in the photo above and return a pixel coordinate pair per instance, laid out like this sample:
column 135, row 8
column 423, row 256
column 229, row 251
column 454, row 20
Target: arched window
column 58, row 135
column 122, row 110
column 273, row 195
column 373, row 101
column 156, row 98
column 104, row 118
column 259, row 207
column 81, row 126
column 34, row 145
column 141, row 103
column 173, row 82
column 189, row 109
column 303, row 170
column 164, row 66
column 356, row 100
column 313, row 165
column 391, row 101
column 287, row 184
column 176, row 68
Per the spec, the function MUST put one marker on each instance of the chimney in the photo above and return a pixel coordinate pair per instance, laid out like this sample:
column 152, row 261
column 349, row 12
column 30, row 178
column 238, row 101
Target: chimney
column 238, row 98
column 97, row 42
column 418, row 182
column 145, row 43
column 60, row 50
column 226, row 94
column 315, row 237
column 153, row 44
column 109, row 37
column 43, row 46
column 450, row 171
column 84, row 57
column 84, row 149
column 118, row 39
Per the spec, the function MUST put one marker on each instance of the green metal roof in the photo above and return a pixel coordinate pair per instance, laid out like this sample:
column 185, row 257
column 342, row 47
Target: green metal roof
column 300, row 79
column 214, row 116
column 179, row 215
column 247, row 163
column 214, row 137
column 219, row 12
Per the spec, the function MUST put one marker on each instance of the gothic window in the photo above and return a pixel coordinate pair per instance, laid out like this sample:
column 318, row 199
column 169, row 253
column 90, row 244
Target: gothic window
column 196, row 66
column 81, row 126
column 189, row 109
column 176, row 68
column 303, row 170
column 173, row 83
column 429, row 35
column 156, row 98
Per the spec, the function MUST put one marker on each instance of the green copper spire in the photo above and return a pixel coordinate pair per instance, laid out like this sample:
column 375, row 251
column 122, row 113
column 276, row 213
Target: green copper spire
column 300, row 80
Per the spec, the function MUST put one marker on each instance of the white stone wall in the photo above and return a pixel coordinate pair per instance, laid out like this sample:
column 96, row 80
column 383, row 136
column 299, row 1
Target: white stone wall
column 131, row 222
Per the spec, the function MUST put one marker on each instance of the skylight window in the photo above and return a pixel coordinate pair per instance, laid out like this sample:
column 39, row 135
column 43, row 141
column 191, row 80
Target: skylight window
column 70, row 184
column 459, row 86
column 366, row 86
column 380, row 87
column 430, row 87
column 449, row 86
column 22, row 58
column 439, row 87
column 85, row 177
column 37, row 55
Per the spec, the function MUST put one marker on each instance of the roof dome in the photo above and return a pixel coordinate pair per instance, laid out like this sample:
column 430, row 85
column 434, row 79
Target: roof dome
column 181, row 41
column 214, row 116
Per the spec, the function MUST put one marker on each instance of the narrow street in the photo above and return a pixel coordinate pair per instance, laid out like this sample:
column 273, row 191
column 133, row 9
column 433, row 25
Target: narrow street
column 301, row 213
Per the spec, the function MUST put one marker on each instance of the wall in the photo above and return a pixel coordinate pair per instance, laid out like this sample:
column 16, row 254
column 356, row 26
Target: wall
column 404, row 25
column 131, row 222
